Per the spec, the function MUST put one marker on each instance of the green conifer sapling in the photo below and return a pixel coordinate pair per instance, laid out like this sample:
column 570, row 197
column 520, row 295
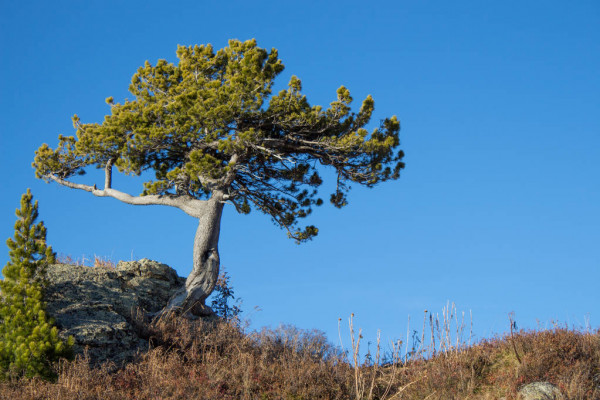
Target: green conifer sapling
column 29, row 342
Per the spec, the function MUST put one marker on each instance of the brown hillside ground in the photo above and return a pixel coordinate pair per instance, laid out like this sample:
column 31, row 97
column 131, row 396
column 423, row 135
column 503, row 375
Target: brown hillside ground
column 200, row 360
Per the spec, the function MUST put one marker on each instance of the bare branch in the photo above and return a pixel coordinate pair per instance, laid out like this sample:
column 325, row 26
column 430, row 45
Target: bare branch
column 108, row 174
column 275, row 154
column 234, row 203
column 187, row 204
column 231, row 174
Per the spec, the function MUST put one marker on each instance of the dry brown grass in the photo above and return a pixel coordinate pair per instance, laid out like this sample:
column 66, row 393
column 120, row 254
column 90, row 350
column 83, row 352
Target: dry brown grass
column 491, row 369
column 103, row 262
column 95, row 261
column 206, row 361
column 220, row 360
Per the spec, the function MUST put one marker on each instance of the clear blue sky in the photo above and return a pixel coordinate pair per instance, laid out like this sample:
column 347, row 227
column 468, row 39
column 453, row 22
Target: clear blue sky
column 498, row 208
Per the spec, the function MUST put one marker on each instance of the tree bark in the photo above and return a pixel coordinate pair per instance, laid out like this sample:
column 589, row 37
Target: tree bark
column 205, row 272
column 201, row 281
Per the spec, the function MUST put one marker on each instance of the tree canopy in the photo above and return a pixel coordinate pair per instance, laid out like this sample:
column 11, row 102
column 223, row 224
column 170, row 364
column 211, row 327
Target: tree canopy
column 210, row 126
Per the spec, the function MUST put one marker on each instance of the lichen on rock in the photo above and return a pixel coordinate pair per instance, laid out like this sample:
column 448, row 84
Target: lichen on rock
column 96, row 305
column 539, row 391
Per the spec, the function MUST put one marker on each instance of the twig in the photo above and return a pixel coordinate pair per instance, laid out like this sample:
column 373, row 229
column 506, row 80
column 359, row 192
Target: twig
column 510, row 318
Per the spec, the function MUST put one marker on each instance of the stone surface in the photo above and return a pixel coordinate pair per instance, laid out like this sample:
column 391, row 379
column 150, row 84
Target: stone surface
column 539, row 391
column 96, row 305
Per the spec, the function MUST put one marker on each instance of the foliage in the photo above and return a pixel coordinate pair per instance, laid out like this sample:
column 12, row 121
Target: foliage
column 28, row 341
column 222, row 295
column 209, row 126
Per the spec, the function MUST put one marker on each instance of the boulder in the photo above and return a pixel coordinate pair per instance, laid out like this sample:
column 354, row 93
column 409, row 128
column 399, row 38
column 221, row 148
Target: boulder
column 539, row 391
column 96, row 305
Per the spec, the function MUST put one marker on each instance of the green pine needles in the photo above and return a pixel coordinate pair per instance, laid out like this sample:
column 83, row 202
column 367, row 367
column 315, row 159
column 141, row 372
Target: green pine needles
column 210, row 127
column 28, row 341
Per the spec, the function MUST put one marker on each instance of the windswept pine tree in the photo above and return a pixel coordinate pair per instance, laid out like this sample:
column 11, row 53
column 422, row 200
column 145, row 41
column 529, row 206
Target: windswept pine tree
column 213, row 134
column 29, row 342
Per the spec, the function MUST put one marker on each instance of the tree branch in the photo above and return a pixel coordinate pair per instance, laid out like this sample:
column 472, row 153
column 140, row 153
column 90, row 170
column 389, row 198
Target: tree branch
column 108, row 174
column 234, row 203
column 274, row 154
column 187, row 204
column 231, row 174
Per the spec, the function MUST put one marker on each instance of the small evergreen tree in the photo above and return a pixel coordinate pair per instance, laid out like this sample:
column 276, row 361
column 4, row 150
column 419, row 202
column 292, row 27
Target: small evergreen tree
column 28, row 341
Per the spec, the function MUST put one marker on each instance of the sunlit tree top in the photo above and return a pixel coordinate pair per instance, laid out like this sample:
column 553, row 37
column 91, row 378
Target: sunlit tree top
column 210, row 126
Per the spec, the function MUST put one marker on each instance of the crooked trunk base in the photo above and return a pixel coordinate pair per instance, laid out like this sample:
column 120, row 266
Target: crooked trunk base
column 187, row 305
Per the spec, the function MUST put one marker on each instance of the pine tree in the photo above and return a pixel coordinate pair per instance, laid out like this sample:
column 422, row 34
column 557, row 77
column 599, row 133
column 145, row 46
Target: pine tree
column 213, row 132
column 29, row 342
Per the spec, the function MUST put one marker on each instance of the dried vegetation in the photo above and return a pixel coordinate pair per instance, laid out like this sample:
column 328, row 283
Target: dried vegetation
column 194, row 359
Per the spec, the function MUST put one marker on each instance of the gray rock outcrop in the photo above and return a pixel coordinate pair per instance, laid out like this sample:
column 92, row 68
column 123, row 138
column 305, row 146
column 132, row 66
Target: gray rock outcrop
column 96, row 305
column 540, row 391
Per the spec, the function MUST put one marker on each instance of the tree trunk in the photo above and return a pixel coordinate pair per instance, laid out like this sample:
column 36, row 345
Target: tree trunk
column 201, row 281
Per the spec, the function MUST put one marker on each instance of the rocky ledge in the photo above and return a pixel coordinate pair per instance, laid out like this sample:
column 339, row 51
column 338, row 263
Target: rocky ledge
column 97, row 305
